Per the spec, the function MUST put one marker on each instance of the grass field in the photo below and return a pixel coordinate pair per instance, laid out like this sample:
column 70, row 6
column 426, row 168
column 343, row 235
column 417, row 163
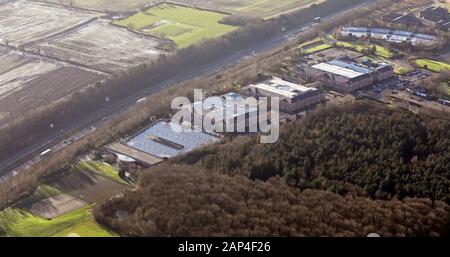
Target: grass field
column 17, row 222
column 185, row 26
column 43, row 192
column 101, row 168
column 432, row 65
column 402, row 70
column 317, row 48
column 379, row 50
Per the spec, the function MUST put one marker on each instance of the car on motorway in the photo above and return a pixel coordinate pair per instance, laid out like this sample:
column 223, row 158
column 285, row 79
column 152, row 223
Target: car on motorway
column 44, row 153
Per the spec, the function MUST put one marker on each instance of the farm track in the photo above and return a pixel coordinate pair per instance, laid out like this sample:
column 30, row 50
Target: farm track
column 47, row 88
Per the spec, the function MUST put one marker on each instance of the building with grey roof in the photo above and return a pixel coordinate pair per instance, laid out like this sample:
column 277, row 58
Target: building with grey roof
column 169, row 139
column 294, row 98
column 347, row 75
column 392, row 36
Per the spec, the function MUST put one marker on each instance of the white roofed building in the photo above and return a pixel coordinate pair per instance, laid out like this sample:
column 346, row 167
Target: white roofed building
column 346, row 74
column 293, row 97
column 393, row 36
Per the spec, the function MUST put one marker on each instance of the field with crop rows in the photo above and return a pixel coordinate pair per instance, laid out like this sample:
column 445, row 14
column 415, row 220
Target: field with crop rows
column 102, row 47
column 107, row 5
column 27, row 83
column 24, row 22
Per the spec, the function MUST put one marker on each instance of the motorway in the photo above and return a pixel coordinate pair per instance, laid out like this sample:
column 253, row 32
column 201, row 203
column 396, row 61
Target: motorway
column 58, row 140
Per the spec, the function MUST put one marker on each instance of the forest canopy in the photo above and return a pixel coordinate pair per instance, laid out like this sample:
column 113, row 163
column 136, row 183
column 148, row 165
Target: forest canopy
column 180, row 201
column 342, row 171
column 366, row 149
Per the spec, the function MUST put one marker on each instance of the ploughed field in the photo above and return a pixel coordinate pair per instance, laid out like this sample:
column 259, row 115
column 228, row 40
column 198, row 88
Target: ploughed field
column 102, row 47
column 43, row 87
column 256, row 8
column 107, row 5
column 26, row 22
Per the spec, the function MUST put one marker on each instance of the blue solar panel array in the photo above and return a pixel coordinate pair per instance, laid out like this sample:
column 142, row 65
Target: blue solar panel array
column 187, row 137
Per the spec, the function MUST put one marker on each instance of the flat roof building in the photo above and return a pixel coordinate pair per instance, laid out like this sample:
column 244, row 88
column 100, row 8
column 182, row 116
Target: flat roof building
column 409, row 19
column 393, row 36
column 435, row 13
column 293, row 97
column 346, row 74
column 170, row 139
column 135, row 154
column 226, row 112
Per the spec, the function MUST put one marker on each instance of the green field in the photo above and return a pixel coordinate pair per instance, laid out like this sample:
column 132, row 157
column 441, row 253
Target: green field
column 379, row 50
column 101, row 168
column 317, row 48
column 432, row 65
column 185, row 26
column 43, row 192
column 17, row 222
column 402, row 70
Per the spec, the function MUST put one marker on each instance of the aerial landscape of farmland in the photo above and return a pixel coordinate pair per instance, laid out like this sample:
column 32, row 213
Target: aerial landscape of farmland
column 111, row 115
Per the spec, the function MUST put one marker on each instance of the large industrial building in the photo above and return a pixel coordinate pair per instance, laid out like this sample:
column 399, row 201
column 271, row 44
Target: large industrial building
column 169, row 139
column 347, row 75
column 408, row 19
column 225, row 113
column 440, row 16
column 293, row 98
column 392, row 36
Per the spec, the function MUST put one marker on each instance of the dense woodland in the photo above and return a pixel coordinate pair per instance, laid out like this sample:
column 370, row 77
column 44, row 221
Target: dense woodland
column 180, row 201
column 366, row 149
column 341, row 171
